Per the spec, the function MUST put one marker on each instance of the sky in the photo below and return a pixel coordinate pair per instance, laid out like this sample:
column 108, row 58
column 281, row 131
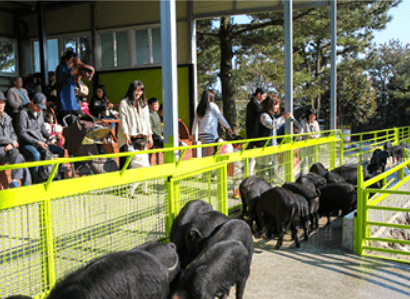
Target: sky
column 398, row 27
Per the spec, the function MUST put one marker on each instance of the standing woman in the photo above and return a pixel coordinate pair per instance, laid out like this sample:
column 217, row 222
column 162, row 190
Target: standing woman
column 134, row 115
column 207, row 117
column 266, row 126
column 67, row 101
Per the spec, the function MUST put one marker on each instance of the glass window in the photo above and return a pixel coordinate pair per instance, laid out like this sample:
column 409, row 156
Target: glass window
column 53, row 57
column 141, row 47
column 122, row 48
column 8, row 57
column 156, row 45
column 70, row 43
column 107, row 50
column 85, row 51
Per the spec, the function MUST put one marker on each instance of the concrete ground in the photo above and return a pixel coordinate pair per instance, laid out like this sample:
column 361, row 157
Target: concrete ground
column 321, row 268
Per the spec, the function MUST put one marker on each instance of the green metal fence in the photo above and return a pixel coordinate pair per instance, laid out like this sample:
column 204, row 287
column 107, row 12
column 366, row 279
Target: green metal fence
column 48, row 230
column 382, row 225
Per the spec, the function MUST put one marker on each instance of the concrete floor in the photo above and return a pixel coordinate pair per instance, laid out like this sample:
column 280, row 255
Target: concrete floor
column 320, row 268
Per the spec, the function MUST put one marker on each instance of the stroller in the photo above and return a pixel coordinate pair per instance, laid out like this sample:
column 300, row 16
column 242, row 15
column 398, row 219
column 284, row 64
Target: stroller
column 84, row 138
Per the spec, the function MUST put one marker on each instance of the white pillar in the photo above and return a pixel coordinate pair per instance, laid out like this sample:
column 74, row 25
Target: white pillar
column 169, row 73
column 288, row 14
column 333, row 70
column 193, row 57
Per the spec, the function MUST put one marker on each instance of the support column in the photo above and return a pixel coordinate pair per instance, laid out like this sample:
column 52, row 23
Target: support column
column 169, row 76
column 43, row 45
column 333, row 70
column 288, row 14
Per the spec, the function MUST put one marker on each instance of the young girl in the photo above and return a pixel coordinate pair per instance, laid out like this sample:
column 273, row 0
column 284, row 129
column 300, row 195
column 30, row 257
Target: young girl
column 100, row 106
column 139, row 160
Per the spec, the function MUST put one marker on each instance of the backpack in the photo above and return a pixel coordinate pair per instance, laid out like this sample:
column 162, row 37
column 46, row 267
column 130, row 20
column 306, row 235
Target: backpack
column 44, row 171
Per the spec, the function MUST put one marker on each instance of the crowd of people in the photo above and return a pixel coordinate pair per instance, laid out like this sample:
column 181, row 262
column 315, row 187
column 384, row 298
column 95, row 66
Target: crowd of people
column 32, row 120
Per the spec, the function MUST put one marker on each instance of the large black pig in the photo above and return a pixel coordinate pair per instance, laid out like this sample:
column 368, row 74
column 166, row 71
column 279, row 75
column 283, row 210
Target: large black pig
column 312, row 200
column 251, row 189
column 214, row 272
column 378, row 161
column 133, row 274
column 180, row 226
column 199, row 230
column 318, row 168
column 287, row 208
column 334, row 178
column 235, row 229
column 349, row 173
column 337, row 197
column 397, row 151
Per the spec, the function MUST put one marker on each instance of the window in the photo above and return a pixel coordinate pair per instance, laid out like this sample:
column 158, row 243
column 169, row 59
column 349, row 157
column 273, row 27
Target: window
column 52, row 55
column 8, row 57
column 80, row 44
column 129, row 47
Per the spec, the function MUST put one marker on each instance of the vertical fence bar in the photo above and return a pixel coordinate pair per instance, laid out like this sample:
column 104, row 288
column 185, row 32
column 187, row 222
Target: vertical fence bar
column 288, row 161
column 358, row 232
column 223, row 189
column 173, row 203
column 332, row 156
column 396, row 135
column 47, row 244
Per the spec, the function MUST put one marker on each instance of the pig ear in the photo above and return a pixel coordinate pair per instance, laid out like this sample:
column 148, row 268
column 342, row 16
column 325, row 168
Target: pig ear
column 195, row 233
column 175, row 265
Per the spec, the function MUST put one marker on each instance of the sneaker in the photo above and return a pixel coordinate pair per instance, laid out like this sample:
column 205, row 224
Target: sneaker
column 14, row 184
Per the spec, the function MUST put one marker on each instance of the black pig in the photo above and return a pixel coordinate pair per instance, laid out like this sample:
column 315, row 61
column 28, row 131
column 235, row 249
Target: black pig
column 312, row 200
column 214, row 272
column 336, row 197
column 199, row 230
column 287, row 208
column 180, row 226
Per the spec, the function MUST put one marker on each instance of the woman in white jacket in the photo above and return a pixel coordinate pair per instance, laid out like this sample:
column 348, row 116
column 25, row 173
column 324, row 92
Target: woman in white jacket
column 206, row 119
column 134, row 115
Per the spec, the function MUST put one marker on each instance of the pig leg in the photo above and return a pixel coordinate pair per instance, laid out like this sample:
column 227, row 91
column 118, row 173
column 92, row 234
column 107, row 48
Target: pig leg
column 240, row 288
column 281, row 232
column 294, row 225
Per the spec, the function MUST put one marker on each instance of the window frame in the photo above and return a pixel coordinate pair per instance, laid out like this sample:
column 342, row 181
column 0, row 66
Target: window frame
column 131, row 47
column 61, row 42
column 16, row 57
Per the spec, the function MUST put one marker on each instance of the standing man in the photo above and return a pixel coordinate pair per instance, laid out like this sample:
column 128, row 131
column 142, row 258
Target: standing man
column 156, row 125
column 253, row 109
column 9, row 152
column 17, row 97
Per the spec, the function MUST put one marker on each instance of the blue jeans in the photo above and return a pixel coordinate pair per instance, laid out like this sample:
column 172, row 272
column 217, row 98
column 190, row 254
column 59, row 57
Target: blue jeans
column 33, row 153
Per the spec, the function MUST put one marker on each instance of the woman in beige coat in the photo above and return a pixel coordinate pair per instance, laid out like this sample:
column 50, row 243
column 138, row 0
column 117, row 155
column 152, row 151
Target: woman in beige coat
column 135, row 122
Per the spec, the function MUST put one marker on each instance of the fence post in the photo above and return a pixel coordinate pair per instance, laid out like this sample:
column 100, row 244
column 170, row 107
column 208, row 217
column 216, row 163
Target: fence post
column 288, row 161
column 47, row 244
column 223, row 189
column 361, row 211
column 396, row 135
column 173, row 203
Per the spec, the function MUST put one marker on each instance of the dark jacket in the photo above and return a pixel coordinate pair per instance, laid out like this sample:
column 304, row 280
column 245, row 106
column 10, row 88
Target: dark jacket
column 7, row 134
column 252, row 111
column 261, row 131
column 31, row 129
column 98, row 106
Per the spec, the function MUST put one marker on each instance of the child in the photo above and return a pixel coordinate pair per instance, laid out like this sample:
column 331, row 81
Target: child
column 56, row 130
column 139, row 160
column 235, row 168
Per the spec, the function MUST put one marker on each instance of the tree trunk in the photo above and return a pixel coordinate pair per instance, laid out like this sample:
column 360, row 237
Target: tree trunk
column 229, row 106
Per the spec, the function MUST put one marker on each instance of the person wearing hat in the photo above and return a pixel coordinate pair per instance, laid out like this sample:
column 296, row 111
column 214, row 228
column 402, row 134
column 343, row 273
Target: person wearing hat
column 17, row 97
column 9, row 152
column 33, row 133
column 253, row 109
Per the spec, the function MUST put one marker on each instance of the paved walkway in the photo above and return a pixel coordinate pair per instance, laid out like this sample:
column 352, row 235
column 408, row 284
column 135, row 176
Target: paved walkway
column 320, row 268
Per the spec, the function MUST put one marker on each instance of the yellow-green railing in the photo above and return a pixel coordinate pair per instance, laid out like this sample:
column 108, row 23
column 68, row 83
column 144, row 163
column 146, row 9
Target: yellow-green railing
column 378, row 211
column 50, row 229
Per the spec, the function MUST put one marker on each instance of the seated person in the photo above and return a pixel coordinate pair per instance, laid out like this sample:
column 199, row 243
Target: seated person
column 9, row 152
column 156, row 125
column 33, row 133
column 100, row 105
